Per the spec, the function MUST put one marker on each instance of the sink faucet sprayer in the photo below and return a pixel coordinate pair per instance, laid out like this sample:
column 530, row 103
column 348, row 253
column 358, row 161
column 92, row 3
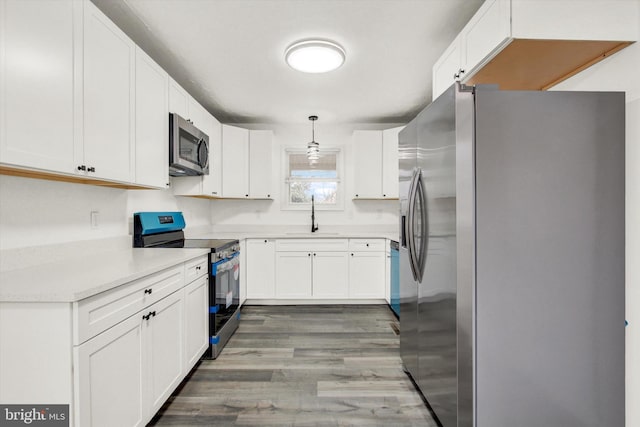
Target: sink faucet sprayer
column 314, row 227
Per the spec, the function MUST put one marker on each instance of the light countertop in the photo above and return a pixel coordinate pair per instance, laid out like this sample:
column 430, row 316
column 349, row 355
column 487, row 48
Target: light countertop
column 79, row 277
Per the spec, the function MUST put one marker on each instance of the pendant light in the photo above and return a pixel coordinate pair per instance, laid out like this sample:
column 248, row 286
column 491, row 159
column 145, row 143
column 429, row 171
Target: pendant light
column 313, row 148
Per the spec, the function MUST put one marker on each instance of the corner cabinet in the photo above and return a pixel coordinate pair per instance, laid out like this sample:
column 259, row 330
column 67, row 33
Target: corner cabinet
column 375, row 154
column 529, row 45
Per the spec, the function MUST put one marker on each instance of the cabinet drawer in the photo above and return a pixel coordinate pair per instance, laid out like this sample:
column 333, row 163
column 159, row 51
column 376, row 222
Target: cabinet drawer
column 100, row 312
column 366, row 245
column 195, row 268
column 317, row 245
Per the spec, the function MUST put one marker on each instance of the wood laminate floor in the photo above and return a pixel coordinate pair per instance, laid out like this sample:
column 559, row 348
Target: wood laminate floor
column 302, row 366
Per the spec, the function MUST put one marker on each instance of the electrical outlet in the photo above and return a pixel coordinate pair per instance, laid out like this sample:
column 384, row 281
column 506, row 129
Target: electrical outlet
column 94, row 219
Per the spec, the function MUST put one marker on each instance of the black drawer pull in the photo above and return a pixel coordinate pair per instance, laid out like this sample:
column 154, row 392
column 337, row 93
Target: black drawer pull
column 148, row 291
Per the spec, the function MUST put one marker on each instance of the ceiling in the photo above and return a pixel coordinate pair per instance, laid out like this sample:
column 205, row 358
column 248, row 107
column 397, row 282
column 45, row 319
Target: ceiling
column 229, row 54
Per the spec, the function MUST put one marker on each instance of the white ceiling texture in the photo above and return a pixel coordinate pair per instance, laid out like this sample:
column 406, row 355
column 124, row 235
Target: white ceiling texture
column 229, row 54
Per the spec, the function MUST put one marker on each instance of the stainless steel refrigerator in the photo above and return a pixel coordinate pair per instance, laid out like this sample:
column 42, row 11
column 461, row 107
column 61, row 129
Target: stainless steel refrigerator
column 512, row 257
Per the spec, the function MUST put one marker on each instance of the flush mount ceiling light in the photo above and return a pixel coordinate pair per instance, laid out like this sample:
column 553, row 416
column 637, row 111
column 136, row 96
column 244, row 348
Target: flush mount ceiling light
column 313, row 148
column 314, row 56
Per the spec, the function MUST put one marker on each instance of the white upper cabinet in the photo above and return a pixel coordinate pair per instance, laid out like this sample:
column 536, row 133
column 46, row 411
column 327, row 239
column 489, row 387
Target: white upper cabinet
column 532, row 44
column 212, row 183
column 109, row 98
column 235, row 167
column 178, row 99
column 260, row 161
column 375, row 155
column 247, row 159
column 367, row 155
column 152, row 122
column 38, row 83
column 390, row 163
column 448, row 67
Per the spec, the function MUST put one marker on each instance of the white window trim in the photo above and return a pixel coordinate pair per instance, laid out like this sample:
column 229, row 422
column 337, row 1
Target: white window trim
column 287, row 206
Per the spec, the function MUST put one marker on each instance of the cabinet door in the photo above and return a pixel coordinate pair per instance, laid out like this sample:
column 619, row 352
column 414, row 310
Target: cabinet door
column 330, row 274
column 390, row 163
column 366, row 275
column 109, row 377
column 447, row 66
column 261, row 273
column 152, row 128
column 486, row 33
column 212, row 183
column 164, row 340
column 367, row 157
column 178, row 100
column 260, row 162
column 37, row 84
column 196, row 320
column 109, row 97
column 293, row 275
column 235, row 166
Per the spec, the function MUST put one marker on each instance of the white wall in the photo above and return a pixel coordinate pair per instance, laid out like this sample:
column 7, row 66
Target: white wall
column 36, row 212
column 270, row 213
column 620, row 73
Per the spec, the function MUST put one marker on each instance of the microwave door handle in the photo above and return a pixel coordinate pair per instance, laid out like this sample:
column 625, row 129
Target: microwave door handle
column 203, row 160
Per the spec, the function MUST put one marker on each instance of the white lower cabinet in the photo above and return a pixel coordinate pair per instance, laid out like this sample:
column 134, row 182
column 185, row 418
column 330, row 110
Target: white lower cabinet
column 261, row 268
column 293, row 275
column 196, row 320
column 330, row 275
column 316, row 269
column 367, row 275
column 162, row 334
column 110, row 378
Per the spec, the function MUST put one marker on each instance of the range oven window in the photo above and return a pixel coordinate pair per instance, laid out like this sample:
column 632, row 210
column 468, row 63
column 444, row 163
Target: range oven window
column 225, row 295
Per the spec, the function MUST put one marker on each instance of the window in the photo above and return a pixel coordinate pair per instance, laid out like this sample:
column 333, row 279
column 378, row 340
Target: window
column 320, row 179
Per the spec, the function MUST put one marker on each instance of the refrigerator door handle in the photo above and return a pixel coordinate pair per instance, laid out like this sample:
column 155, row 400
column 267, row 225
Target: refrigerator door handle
column 421, row 255
column 410, row 229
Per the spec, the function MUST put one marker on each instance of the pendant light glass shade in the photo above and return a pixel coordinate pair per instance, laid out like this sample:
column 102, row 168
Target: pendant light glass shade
column 313, row 148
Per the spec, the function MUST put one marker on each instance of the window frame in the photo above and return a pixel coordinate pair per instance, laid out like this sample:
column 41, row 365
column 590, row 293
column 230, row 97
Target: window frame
column 286, row 199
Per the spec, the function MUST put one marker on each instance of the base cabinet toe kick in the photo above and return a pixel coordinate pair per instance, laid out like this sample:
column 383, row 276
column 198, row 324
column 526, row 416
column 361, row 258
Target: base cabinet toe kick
column 115, row 357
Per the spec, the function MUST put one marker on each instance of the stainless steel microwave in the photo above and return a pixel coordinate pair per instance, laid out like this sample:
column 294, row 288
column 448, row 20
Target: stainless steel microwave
column 188, row 148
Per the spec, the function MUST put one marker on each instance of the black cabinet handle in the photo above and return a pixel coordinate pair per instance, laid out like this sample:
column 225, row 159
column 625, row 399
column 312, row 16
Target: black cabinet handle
column 153, row 313
column 82, row 168
column 384, row 195
column 148, row 291
column 91, row 169
column 145, row 316
column 367, row 245
column 351, row 254
column 308, row 254
column 246, row 195
column 356, row 195
column 265, row 240
column 168, row 184
column 314, row 254
column 268, row 195
column 198, row 267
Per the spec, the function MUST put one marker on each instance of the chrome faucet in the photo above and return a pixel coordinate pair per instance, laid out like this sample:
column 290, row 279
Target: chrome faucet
column 314, row 227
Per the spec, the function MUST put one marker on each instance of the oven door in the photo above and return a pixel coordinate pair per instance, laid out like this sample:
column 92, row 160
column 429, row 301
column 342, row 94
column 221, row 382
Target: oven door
column 224, row 296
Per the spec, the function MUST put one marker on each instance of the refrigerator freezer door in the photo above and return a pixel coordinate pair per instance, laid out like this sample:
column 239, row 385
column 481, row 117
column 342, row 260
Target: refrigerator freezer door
column 408, row 287
column 436, row 158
